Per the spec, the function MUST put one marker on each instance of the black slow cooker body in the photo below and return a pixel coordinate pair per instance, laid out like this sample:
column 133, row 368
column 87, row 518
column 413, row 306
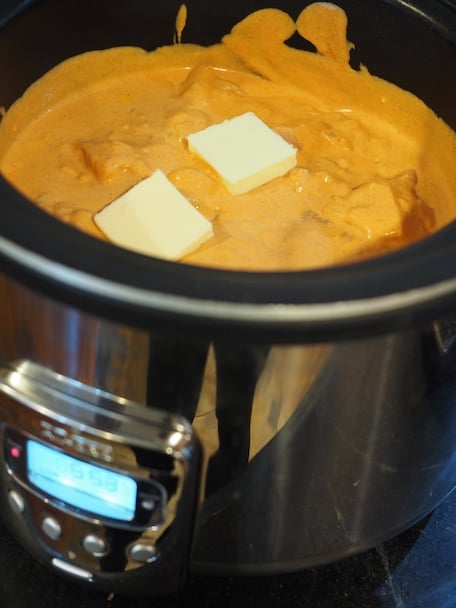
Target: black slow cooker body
column 368, row 448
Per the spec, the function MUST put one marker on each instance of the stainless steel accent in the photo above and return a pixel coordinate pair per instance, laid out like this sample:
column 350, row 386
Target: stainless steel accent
column 178, row 375
column 307, row 424
column 51, row 527
column 144, row 553
column 95, row 545
column 445, row 334
column 71, row 569
column 78, row 367
column 16, row 501
column 94, row 352
column 57, row 399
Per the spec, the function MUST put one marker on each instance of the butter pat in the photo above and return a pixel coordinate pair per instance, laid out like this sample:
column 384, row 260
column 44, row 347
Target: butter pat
column 155, row 219
column 244, row 152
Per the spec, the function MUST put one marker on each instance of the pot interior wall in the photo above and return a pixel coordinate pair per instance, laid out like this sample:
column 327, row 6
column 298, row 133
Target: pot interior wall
column 410, row 46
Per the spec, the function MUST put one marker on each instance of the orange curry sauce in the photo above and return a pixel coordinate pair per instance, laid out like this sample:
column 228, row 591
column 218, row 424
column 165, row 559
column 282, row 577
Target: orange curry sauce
column 375, row 166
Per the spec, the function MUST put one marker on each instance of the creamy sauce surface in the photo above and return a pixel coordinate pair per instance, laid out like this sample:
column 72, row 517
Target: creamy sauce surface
column 375, row 166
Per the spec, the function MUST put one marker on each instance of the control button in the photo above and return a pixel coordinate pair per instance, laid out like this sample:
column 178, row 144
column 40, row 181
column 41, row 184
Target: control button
column 148, row 504
column 142, row 552
column 48, row 435
column 95, row 545
column 51, row 527
column 73, row 570
column 16, row 501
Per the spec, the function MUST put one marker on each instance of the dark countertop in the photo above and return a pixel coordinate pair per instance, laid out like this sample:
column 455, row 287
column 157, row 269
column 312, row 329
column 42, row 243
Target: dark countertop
column 414, row 570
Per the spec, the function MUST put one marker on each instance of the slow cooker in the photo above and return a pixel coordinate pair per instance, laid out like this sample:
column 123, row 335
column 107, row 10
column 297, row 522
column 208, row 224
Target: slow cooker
column 219, row 421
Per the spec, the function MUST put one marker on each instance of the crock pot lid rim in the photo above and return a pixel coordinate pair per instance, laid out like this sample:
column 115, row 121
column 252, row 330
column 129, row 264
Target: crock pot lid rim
column 252, row 312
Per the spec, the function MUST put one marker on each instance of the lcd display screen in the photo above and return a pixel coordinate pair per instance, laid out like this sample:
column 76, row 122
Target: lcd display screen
column 80, row 484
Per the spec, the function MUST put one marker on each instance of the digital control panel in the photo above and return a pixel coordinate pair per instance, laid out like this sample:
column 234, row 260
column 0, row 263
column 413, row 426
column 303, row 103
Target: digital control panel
column 96, row 486
column 90, row 490
column 83, row 485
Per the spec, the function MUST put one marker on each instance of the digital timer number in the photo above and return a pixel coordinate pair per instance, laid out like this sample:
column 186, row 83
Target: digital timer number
column 80, row 484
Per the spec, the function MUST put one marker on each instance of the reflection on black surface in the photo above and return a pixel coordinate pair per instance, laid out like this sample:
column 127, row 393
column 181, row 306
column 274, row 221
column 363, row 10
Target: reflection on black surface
column 426, row 577
column 238, row 370
column 415, row 570
column 175, row 377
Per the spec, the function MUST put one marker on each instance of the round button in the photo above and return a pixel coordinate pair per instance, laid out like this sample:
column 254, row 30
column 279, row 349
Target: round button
column 16, row 501
column 143, row 552
column 148, row 504
column 51, row 527
column 95, row 545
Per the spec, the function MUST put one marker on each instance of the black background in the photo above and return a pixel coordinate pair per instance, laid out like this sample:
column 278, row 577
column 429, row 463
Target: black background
column 414, row 570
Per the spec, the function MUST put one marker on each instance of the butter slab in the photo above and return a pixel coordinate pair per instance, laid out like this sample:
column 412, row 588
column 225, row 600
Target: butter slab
column 244, row 152
column 155, row 219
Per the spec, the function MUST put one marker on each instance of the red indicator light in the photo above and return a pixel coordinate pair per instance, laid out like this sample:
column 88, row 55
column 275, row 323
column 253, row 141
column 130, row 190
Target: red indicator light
column 15, row 452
